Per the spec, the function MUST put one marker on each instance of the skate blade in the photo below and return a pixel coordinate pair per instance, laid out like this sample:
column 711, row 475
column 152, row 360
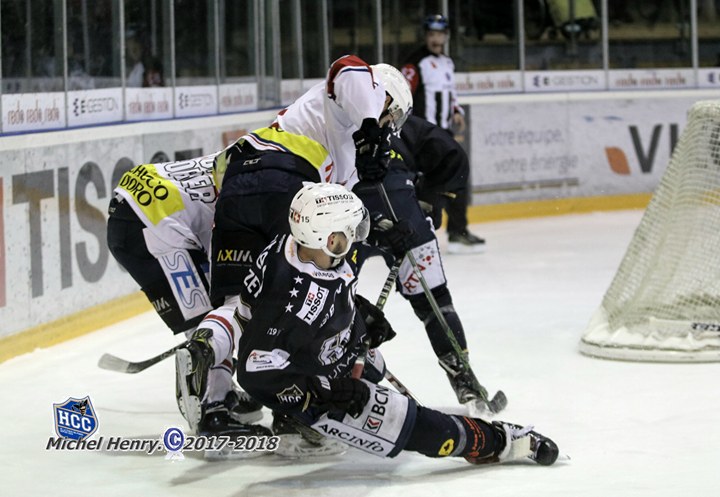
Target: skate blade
column 247, row 418
column 456, row 248
column 234, row 455
column 295, row 446
column 190, row 405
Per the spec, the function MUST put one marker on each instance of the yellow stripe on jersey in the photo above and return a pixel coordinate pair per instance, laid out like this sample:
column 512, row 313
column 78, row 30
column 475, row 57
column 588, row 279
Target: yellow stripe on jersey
column 219, row 168
column 302, row 146
column 156, row 196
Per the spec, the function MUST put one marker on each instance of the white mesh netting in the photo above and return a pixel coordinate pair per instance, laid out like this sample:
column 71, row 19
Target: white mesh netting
column 664, row 302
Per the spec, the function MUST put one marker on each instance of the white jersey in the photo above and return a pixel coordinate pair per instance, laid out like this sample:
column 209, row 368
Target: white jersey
column 175, row 201
column 432, row 81
column 319, row 125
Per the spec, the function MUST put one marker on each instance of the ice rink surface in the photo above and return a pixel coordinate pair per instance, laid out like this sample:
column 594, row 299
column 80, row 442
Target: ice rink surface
column 631, row 429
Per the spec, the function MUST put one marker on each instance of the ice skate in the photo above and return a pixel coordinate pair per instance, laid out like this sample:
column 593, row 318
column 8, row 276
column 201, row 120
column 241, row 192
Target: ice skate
column 192, row 364
column 463, row 381
column 298, row 440
column 465, row 242
column 520, row 443
column 217, row 422
column 243, row 408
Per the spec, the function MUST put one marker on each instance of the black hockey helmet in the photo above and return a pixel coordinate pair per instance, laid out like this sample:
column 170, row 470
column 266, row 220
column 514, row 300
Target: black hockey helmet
column 436, row 22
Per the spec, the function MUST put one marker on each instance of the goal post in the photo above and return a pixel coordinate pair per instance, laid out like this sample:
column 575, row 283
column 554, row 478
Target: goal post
column 664, row 302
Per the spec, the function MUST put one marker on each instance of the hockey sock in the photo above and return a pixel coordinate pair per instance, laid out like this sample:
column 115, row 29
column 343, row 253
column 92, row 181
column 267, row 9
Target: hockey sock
column 219, row 382
column 223, row 322
column 437, row 434
column 436, row 333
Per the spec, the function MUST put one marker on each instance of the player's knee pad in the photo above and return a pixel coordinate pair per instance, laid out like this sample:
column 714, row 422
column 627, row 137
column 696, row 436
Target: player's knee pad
column 383, row 427
column 437, row 434
column 421, row 305
column 427, row 257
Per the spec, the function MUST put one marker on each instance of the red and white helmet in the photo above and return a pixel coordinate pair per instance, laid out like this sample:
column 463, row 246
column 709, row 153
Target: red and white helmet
column 399, row 90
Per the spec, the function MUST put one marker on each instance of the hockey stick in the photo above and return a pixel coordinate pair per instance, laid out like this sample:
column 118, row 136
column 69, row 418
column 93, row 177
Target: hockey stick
column 115, row 363
column 382, row 299
column 360, row 361
column 499, row 401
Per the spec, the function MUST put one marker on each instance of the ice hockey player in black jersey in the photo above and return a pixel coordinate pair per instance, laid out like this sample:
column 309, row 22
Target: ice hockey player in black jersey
column 442, row 167
column 303, row 327
column 422, row 149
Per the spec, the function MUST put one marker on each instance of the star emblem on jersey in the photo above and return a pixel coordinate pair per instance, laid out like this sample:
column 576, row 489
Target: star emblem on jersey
column 298, row 280
column 288, row 308
column 294, row 292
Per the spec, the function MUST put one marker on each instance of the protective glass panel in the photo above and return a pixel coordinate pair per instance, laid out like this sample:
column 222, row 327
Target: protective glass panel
column 649, row 34
column 562, row 34
column 93, row 44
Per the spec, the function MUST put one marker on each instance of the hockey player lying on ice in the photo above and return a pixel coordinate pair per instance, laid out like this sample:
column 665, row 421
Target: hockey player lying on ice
column 303, row 326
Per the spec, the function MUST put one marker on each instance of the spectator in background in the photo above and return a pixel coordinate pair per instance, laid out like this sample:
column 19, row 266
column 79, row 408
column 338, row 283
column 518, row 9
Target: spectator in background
column 431, row 75
column 142, row 70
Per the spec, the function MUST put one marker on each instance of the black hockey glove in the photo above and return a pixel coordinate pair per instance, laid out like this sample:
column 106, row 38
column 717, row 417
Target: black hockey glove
column 372, row 150
column 395, row 236
column 377, row 327
column 340, row 394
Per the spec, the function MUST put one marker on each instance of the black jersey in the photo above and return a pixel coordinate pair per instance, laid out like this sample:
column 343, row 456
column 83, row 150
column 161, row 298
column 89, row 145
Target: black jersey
column 299, row 322
column 432, row 151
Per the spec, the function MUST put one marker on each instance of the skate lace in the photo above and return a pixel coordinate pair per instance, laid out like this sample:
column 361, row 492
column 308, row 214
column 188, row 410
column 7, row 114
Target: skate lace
column 520, row 431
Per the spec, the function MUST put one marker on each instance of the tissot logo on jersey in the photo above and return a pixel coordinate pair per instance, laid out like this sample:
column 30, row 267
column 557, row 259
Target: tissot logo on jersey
column 313, row 304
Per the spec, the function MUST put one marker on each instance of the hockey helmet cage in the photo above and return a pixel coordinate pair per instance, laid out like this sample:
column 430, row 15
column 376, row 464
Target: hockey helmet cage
column 437, row 22
column 399, row 90
column 320, row 209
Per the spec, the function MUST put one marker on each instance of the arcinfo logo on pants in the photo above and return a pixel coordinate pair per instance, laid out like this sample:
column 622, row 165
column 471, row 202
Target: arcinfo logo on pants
column 94, row 106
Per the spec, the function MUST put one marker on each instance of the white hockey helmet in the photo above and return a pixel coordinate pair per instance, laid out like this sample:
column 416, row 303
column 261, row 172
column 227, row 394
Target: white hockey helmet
column 399, row 90
column 320, row 209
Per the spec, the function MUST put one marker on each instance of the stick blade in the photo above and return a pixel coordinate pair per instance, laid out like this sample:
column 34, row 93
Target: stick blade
column 114, row 363
column 498, row 402
column 479, row 408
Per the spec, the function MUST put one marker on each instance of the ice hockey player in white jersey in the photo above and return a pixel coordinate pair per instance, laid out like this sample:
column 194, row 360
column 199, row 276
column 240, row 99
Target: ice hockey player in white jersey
column 333, row 133
column 159, row 230
column 303, row 327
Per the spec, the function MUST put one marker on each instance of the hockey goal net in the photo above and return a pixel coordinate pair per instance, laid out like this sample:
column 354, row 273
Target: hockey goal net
column 664, row 302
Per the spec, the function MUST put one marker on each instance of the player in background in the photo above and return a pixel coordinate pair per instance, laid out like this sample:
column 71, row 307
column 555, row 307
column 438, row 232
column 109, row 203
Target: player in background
column 431, row 75
column 159, row 230
column 303, row 327
column 439, row 162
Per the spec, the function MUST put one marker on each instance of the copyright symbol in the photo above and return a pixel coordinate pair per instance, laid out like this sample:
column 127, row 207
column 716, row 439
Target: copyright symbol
column 173, row 439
